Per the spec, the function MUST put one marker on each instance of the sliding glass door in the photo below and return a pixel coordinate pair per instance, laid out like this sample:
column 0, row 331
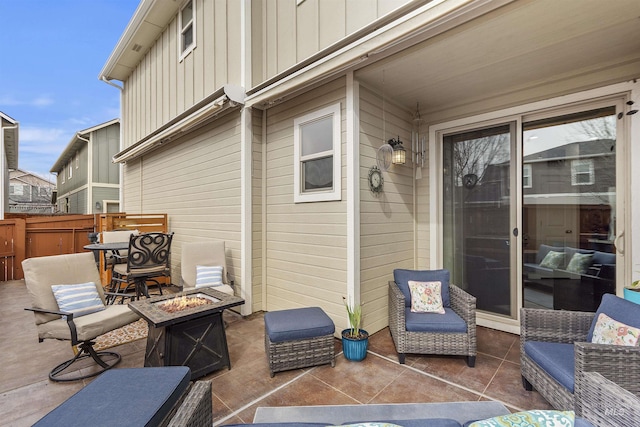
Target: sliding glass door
column 479, row 215
column 568, row 210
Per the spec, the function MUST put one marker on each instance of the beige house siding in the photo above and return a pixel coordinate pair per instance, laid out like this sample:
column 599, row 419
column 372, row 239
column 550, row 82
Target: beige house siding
column 257, row 210
column 306, row 242
column 315, row 25
column 386, row 220
column 161, row 87
column 196, row 182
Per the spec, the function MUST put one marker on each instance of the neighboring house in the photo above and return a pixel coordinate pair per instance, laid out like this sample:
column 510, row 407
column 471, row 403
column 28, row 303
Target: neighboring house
column 259, row 123
column 9, row 130
column 87, row 180
column 30, row 193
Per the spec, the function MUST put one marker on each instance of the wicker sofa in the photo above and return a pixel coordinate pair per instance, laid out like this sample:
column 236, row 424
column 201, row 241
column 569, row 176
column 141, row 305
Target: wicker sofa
column 563, row 338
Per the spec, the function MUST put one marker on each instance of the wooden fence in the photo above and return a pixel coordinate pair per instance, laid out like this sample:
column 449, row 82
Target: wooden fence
column 23, row 236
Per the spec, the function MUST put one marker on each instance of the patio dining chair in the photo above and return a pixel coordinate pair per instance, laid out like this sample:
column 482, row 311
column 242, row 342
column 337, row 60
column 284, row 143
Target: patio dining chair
column 204, row 264
column 69, row 304
column 148, row 262
column 447, row 327
column 115, row 236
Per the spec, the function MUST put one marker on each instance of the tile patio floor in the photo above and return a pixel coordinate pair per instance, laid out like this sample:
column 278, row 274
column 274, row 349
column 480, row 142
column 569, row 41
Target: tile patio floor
column 26, row 394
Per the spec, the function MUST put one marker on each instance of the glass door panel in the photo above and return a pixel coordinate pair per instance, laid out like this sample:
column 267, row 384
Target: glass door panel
column 568, row 217
column 477, row 215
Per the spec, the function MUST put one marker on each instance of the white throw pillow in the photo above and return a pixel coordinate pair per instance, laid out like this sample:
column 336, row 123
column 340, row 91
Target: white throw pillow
column 207, row 276
column 610, row 331
column 426, row 297
column 80, row 299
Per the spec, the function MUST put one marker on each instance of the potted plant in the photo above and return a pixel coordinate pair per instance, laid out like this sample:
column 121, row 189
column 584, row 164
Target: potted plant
column 632, row 292
column 355, row 340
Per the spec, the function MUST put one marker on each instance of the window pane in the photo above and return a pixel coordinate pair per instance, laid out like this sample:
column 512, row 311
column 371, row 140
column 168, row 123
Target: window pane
column 317, row 174
column 317, row 136
column 187, row 14
column 187, row 38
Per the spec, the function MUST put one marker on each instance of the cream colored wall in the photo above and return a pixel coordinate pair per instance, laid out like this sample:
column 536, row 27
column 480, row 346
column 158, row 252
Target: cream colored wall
column 161, row 87
column 386, row 220
column 286, row 33
column 257, row 210
column 196, row 182
column 305, row 242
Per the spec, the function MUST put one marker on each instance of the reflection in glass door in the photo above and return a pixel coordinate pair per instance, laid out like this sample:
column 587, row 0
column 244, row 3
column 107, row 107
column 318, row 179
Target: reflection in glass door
column 568, row 217
column 478, row 215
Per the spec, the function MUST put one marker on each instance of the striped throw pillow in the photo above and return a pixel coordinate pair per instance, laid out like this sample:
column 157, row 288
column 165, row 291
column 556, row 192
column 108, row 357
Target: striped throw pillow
column 80, row 299
column 208, row 276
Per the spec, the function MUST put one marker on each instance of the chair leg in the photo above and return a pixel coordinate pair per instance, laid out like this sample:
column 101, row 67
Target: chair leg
column 471, row 361
column 401, row 358
column 526, row 384
column 105, row 359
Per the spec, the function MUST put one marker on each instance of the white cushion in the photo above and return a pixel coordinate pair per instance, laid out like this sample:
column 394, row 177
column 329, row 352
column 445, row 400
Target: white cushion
column 80, row 299
column 207, row 276
column 426, row 297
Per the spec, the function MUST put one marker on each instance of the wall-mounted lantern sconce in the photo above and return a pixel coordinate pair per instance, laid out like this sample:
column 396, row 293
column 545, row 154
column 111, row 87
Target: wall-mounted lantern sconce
column 399, row 153
column 98, row 206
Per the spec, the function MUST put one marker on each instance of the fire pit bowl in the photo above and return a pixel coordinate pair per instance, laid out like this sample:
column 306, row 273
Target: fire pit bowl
column 185, row 302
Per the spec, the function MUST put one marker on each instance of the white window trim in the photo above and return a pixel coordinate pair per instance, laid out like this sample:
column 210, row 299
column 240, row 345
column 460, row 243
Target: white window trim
column 574, row 163
column 183, row 53
column 70, row 167
column 334, row 193
column 77, row 160
column 527, row 171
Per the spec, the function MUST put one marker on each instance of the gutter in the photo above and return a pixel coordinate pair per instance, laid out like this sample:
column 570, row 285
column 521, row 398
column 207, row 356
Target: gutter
column 223, row 99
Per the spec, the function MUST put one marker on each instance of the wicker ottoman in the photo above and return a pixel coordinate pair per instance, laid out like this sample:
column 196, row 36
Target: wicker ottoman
column 298, row 338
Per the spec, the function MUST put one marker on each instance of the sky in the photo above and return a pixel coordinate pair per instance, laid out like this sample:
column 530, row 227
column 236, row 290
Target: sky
column 53, row 51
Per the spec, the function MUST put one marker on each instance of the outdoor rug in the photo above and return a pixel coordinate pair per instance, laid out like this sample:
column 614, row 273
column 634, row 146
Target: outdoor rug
column 131, row 332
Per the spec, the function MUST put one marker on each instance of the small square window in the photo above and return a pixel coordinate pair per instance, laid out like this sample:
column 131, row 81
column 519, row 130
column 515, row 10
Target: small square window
column 317, row 148
column 582, row 172
column 527, row 178
column 187, row 29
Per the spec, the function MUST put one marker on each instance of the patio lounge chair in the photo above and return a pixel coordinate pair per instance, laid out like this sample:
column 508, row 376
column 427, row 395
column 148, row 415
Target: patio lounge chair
column 556, row 350
column 64, row 289
column 451, row 333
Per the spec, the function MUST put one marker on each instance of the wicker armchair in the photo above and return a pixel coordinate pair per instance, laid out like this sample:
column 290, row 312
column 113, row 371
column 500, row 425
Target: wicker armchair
column 449, row 343
column 606, row 404
column 619, row 364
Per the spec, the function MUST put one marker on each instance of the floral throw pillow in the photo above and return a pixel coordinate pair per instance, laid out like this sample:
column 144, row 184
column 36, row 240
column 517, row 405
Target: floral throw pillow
column 610, row 331
column 552, row 259
column 537, row 418
column 426, row 297
column 579, row 263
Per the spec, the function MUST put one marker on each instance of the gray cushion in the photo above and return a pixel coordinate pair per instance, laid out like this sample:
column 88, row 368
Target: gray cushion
column 557, row 359
column 569, row 252
column 449, row 322
column 297, row 323
column 619, row 309
column 119, row 397
column 402, row 277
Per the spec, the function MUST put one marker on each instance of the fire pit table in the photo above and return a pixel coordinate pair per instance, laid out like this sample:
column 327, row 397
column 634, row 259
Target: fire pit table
column 186, row 329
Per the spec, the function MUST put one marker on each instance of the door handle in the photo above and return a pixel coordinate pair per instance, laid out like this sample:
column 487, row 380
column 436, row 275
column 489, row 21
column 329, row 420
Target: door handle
column 619, row 248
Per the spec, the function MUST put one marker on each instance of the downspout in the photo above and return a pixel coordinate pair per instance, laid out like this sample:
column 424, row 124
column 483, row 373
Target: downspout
column 120, row 166
column 3, row 181
column 89, row 172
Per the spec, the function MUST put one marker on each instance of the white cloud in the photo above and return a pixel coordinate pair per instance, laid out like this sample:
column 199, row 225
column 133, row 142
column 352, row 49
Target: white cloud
column 41, row 101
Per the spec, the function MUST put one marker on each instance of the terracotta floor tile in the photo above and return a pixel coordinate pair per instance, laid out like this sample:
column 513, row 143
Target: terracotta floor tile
column 506, row 386
column 495, row 343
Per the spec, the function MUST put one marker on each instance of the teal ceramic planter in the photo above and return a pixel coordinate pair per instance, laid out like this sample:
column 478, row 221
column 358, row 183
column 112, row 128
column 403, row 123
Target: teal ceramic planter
column 355, row 349
column 633, row 296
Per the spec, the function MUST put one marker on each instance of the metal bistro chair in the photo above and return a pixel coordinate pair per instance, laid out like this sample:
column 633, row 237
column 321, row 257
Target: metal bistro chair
column 148, row 260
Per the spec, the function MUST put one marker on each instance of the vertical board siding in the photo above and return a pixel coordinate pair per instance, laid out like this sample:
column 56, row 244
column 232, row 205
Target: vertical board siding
column 162, row 87
column 306, row 242
column 386, row 220
column 105, row 143
column 293, row 33
column 196, row 182
column 256, row 211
